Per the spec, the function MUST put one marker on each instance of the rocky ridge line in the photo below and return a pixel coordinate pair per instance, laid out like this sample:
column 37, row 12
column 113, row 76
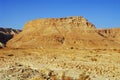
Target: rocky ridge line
column 6, row 34
column 69, row 32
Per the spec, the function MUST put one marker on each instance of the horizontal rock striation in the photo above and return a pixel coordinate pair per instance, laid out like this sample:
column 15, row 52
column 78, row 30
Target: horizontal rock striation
column 69, row 32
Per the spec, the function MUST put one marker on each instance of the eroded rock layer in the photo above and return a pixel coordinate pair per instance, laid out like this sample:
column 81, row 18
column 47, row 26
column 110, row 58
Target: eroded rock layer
column 70, row 32
column 6, row 34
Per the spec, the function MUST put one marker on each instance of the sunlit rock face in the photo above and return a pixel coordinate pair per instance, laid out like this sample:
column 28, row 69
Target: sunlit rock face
column 69, row 32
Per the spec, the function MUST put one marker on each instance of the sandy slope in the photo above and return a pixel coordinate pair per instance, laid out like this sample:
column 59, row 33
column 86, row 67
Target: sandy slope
column 26, row 64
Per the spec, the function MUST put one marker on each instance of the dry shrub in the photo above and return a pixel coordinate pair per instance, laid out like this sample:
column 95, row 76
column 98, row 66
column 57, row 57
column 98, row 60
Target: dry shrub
column 54, row 77
column 84, row 77
column 93, row 59
column 37, row 78
column 63, row 77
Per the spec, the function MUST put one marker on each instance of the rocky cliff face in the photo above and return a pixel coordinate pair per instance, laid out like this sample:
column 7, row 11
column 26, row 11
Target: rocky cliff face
column 113, row 33
column 6, row 34
column 70, row 32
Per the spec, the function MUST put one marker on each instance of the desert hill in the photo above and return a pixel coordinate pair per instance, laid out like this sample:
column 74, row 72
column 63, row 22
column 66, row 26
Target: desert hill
column 69, row 32
column 6, row 34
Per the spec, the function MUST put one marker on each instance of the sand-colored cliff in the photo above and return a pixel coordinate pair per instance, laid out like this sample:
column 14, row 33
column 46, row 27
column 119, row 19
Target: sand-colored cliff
column 69, row 32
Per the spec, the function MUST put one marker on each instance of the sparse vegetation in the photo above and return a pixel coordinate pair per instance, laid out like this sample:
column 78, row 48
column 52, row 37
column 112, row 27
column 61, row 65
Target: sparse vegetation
column 63, row 77
column 34, row 64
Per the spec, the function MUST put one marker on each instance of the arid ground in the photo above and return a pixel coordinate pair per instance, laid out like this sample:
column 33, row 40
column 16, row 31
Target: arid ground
column 59, row 64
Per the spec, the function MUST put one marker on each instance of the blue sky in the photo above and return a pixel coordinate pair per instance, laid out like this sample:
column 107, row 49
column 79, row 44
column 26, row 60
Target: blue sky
column 102, row 13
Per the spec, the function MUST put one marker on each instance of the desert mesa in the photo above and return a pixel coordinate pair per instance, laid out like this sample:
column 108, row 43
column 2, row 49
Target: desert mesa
column 69, row 32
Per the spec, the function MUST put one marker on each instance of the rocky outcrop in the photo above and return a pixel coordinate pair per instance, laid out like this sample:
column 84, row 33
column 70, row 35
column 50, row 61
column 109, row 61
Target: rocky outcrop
column 2, row 45
column 113, row 33
column 70, row 32
column 6, row 34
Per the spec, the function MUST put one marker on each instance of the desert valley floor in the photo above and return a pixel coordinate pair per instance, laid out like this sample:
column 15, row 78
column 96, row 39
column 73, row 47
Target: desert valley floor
column 59, row 64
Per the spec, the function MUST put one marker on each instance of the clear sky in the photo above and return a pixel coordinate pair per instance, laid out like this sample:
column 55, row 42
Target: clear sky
column 102, row 13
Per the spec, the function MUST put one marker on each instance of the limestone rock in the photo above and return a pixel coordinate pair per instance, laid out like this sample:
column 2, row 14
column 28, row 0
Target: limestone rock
column 2, row 45
column 113, row 33
column 75, row 32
